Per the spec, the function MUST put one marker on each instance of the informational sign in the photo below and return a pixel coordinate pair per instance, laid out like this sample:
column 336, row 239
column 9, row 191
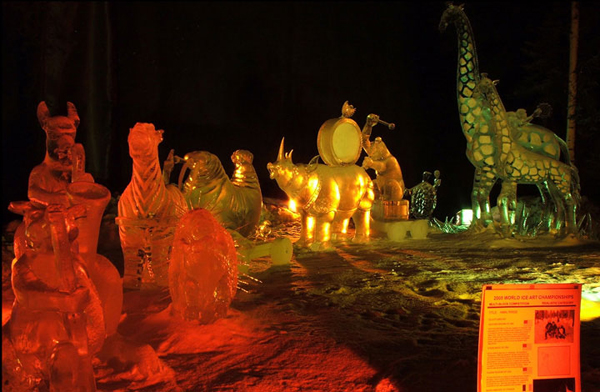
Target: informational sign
column 529, row 338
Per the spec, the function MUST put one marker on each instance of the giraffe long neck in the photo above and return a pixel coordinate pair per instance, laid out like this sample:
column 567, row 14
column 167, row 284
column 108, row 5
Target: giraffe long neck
column 467, row 77
column 499, row 119
column 147, row 187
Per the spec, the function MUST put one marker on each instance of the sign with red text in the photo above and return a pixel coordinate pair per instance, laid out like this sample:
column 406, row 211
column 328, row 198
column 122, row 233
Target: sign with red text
column 529, row 338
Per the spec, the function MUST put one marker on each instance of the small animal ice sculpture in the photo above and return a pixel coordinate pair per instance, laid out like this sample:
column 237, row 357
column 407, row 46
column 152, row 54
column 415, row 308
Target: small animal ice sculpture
column 389, row 183
column 326, row 196
column 203, row 269
column 148, row 213
column 57, row 323
column 48, row 181
column 423, row 197
column 63, row 163
column 237, row 202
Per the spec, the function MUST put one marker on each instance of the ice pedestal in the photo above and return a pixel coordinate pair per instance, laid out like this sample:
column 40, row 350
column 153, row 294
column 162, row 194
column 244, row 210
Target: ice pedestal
column 401, row 230
column 389, row 210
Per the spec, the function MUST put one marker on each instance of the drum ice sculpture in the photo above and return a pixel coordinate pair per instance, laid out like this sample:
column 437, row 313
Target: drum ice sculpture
column 339, row 139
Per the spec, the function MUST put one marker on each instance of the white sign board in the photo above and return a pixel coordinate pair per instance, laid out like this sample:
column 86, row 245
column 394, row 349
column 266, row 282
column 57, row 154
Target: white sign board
column 529, row 338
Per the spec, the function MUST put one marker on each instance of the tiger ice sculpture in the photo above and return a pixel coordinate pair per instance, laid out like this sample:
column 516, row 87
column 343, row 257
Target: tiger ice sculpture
column 236, row 203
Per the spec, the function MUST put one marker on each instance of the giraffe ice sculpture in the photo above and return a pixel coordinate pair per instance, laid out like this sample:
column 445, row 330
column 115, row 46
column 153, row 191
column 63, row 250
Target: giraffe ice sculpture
column 482, row 150
column 148, row 213
column 519, row 165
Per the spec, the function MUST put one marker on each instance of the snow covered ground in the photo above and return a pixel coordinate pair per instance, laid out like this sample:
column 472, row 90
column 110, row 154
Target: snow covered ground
column 382, row 316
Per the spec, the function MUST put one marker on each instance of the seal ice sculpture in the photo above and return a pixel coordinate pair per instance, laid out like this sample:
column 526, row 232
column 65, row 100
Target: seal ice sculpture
column 236, row 203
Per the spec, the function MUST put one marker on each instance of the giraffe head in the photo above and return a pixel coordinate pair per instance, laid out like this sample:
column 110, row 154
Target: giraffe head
column 143, row 141
column 452, row 14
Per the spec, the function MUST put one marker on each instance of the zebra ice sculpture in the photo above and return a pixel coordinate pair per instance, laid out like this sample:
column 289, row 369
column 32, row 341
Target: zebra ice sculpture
column 149, row 210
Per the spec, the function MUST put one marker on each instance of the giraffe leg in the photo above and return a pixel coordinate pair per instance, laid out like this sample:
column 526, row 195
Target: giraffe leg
column 559, row 217
column 547, row 209
column 507, row 204
column 483, row 182
column 562, row 187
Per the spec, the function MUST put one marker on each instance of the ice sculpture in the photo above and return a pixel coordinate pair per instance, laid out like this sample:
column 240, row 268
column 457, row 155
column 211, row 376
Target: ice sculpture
column 148, row 213
column 237, row 202
column 61, row 178
column 48, row 181
column 389, row 183
column 423, row 196
column 63, row 163
column 476, row 123
column 57, row 321
column 339, row 139
column 518, row 165
column 203, row 268
column 105, row 276
column 326, row 196
column 280, row 250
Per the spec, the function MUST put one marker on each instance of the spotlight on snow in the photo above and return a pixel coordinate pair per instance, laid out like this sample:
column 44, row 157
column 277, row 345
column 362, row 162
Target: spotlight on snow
column 590, row 304
column 464, row 217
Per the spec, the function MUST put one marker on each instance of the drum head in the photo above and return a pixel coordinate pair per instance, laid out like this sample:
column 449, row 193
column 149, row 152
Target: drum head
column 339, row 142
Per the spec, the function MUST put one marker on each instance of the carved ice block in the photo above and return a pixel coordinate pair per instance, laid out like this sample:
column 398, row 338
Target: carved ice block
column 280, row 250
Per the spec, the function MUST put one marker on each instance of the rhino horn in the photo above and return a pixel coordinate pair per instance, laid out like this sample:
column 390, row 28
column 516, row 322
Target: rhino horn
column 280, row 156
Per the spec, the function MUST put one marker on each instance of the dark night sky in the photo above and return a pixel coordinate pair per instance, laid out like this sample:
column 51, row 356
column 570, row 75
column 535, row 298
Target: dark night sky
column 221, row 76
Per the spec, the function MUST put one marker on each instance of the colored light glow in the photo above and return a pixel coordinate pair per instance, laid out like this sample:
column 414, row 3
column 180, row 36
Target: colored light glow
column 590, row 304
column 465, row 217
column 292, row 205
column 310, row 225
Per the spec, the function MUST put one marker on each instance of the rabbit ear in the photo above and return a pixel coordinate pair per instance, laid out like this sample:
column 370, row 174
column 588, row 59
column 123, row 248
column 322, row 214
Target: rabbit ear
column 43, row 113
column 72, row 113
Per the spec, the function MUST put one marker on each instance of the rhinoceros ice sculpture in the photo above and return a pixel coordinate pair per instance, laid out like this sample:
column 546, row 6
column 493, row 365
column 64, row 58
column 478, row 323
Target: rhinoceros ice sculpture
column 326, row 196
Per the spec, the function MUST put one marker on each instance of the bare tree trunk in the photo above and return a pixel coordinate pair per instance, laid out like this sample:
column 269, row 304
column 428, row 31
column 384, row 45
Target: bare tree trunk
column 574, row 41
